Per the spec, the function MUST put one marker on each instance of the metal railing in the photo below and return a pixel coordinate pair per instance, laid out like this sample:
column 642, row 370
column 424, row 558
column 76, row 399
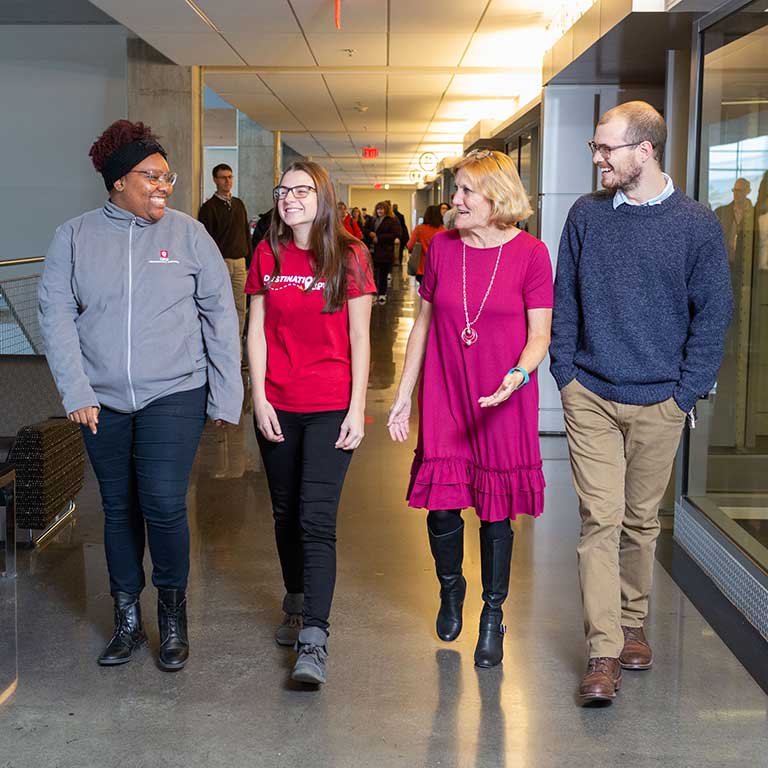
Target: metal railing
column 19, row 329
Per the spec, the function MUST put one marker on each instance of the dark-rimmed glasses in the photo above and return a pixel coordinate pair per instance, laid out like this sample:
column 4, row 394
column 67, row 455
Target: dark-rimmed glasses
column 605, row 149
column 299, row 192
column 159, row 178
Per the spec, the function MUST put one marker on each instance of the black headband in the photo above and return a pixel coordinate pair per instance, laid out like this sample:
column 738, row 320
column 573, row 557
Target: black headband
column 126, row 158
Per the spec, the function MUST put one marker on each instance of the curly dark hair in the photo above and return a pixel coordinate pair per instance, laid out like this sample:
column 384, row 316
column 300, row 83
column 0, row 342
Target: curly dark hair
column 120, row 133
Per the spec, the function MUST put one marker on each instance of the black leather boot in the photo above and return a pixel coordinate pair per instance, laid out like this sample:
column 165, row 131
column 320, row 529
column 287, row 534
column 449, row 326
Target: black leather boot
column 172, row 620
column 129, row 634
column 448, row 551
column 495, row 559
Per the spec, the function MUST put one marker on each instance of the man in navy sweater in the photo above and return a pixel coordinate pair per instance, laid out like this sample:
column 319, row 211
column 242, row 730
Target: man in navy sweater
column 642, row 303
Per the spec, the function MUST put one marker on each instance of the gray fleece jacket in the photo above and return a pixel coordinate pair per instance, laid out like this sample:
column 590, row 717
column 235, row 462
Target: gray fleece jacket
column 133, row 310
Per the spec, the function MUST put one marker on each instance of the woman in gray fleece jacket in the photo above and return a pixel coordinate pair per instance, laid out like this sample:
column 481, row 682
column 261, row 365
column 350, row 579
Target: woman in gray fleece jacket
column 141, row 335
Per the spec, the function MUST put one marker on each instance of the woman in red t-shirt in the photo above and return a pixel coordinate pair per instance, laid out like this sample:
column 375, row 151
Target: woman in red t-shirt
column 308, row 352
column 423, row 233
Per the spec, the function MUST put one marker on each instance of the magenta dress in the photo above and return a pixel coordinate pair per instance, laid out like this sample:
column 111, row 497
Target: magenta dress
column 467, row 456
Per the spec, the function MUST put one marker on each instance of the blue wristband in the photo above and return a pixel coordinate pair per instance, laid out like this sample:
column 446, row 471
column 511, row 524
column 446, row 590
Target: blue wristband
column 518, row 369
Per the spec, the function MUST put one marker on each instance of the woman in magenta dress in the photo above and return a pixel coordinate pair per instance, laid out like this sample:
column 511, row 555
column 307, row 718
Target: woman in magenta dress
column 482, row 331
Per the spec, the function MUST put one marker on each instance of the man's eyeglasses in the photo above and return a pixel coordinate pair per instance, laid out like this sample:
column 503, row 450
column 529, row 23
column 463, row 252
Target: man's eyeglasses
column 299, row 192
column 605, row 150
column 159, row 178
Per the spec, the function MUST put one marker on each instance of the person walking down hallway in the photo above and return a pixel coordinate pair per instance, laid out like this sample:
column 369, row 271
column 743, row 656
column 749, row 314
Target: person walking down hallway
column 403, row 233
column 308, row 350
column 225, row 218
column 385, row 230
column 423, row 234
column 349, row 222
column 642, row 303
column 482, row 331
column 140, row 332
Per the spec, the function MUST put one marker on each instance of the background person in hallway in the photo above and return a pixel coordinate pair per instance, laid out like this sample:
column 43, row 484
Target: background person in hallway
column 423, row 233
column 642, row 302
column 348, row 222
column 403, row 233
column 384, row 232
column 309, row 354
column 482, row 330
column 226, row 220
column 140, row 332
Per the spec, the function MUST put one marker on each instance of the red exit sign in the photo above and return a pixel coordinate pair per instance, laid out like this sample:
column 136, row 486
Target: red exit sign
column 370, row 153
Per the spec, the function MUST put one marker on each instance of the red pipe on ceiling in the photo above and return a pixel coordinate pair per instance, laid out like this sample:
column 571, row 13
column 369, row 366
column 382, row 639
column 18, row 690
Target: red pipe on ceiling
column 337, row 15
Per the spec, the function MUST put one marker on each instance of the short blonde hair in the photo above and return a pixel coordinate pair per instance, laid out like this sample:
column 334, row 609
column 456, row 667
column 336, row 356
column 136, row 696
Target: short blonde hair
column 493, row 175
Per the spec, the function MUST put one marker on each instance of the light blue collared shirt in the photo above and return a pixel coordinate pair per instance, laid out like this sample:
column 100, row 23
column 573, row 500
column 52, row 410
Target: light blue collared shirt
column 619, row 198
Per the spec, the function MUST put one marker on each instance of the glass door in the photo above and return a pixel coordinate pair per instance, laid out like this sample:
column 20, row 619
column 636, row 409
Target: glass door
column 728, row 457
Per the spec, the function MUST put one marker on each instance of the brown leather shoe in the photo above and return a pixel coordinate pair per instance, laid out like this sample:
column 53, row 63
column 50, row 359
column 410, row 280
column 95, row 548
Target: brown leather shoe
column 637, row 653
column 601, row 682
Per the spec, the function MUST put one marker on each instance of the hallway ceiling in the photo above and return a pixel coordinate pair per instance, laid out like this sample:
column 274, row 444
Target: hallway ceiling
column 418, row 77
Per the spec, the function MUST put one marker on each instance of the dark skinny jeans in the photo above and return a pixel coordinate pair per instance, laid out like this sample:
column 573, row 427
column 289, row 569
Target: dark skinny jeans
column 305, row 474
column 142, row 461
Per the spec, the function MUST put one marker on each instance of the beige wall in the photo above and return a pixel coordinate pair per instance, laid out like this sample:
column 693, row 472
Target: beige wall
column 365, row 197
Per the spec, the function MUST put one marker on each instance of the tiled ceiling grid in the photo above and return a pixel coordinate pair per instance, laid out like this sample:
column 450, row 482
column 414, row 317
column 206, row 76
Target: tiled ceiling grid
column 403, row 77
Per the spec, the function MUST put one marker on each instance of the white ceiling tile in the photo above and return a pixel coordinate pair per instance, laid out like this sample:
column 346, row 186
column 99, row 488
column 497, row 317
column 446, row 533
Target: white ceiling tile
column 308, row 98
column 397, row 110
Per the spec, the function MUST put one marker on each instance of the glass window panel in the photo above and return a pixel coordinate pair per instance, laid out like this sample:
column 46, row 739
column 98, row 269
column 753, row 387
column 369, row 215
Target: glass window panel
column 728, row 470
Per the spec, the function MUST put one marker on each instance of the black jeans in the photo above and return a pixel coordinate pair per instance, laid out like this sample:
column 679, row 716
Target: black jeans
column 305, row 475
column 143, row 461
column 381, row 270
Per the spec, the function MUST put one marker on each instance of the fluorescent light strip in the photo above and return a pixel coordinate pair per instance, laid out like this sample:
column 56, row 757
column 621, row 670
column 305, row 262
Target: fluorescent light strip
column 201, row 13
column 740, row 102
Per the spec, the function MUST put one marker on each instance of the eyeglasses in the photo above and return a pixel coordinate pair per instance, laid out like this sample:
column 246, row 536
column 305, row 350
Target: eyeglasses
column 159, row 178
column 299, row 192
column 482, row 154
column 605, row 150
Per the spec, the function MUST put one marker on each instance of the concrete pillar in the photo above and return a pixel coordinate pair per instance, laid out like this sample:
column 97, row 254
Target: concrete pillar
column 167, row 97
column 255, row 165
column 277, row 164
column 676, row 114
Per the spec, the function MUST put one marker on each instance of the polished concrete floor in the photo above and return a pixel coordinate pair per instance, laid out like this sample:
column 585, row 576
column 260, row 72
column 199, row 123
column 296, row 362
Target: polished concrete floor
column 396, row 695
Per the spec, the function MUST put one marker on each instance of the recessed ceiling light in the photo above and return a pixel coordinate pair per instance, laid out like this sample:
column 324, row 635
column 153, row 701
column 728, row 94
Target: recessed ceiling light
column 361, row 107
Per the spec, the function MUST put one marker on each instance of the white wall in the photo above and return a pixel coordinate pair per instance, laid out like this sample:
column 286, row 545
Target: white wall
column 60, row 86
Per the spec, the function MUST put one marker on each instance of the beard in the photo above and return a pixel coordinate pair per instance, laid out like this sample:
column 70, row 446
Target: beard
column 625, row 180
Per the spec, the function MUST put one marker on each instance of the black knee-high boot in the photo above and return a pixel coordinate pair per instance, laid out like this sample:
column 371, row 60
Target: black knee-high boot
column 448, row 551
column 495, row 560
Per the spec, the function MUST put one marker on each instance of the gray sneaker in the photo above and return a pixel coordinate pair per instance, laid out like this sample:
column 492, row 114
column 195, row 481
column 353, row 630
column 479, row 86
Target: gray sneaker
column 313, row 653
column 287, row 633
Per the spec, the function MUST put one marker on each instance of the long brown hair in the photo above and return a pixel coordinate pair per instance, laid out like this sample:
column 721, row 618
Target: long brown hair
column 329, row 242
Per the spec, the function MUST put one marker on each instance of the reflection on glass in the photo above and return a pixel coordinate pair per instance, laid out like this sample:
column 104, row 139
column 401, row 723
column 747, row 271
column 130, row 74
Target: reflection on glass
column 729, row 450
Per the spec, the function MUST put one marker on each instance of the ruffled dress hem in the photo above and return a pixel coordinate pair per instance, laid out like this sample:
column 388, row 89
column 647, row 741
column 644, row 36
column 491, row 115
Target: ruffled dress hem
column 450, row 483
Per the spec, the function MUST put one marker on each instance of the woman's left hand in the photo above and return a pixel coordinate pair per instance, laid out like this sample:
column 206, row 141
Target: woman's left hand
column 508, row 385
column 352, row 431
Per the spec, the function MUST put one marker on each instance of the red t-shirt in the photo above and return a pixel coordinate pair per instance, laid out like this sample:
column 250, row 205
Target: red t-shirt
column 309, row 357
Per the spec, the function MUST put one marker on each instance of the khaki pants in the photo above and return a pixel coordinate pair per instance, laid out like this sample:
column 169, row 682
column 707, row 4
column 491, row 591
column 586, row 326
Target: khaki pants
column 237, row 274
column 621, row 460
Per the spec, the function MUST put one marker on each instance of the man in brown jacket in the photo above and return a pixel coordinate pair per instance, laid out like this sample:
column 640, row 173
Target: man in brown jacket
column 226, row 220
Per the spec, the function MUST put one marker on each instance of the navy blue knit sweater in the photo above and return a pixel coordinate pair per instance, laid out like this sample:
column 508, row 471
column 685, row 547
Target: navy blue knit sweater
column 642, row 300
